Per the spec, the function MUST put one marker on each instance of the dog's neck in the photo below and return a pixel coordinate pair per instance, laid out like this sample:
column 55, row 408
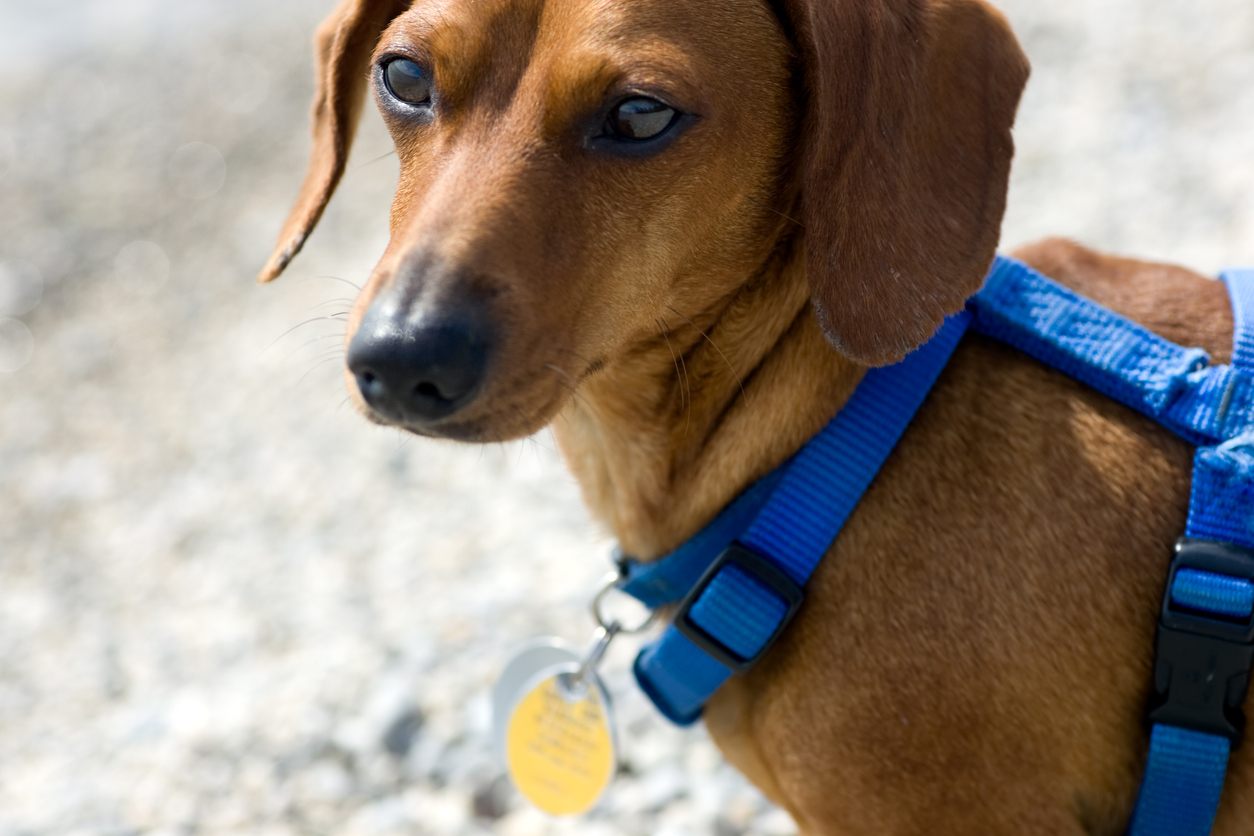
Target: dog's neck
column 664, row 437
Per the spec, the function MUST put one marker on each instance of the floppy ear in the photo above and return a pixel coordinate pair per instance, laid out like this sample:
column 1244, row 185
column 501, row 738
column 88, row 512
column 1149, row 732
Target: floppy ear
column 904, row 162
column 343, row 46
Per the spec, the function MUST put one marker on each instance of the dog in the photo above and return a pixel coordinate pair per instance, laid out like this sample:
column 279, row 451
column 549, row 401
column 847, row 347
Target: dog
column 680, row 231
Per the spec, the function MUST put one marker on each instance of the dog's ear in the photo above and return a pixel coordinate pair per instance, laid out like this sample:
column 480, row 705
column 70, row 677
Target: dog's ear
column 904, row 161
column 343, row 46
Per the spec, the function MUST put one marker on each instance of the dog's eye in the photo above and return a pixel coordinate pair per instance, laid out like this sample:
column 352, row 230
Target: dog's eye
column 407, row 81
column 640, row 118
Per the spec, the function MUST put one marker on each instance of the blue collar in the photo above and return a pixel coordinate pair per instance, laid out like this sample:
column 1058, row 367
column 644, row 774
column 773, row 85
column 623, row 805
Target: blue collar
column 738, row 599
column 740, row 580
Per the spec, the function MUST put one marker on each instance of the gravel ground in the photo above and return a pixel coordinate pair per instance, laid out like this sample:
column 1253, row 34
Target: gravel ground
column 227, row 604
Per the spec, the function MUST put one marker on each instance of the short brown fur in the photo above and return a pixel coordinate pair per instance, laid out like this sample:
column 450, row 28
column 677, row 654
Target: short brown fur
column 974, row 653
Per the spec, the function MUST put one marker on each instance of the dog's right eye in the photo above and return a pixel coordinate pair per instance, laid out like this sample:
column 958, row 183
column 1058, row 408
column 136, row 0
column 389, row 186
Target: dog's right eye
column 640, row 118
column 407, row 81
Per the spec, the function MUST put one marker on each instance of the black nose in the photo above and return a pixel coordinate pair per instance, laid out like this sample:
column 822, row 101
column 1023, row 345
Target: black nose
column 416, row 367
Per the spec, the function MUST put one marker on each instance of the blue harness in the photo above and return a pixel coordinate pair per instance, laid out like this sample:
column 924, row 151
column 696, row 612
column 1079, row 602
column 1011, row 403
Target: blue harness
column 740, row 580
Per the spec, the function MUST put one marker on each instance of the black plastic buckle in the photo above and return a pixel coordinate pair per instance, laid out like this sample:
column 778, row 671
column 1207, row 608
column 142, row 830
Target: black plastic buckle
column 785, row 587
column 1202, row 661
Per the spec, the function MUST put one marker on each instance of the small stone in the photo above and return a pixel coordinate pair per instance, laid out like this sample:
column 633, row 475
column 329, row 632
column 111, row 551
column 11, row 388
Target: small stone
column 398, row 739
column 492, row 799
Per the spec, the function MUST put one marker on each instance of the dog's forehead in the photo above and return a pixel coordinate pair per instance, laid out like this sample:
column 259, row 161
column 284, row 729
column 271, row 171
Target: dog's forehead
column 601, row 24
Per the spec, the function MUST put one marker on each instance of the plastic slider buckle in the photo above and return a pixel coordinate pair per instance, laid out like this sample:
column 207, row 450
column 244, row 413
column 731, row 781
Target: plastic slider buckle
column 1202, row 660
column 763, row 570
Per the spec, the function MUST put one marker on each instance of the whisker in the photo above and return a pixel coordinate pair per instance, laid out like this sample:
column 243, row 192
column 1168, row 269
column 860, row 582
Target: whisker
column 777, row 212
column 341, row 300
column 317, row 339
column 498, row 442
column 680, row 379
column 562, row 372
column 357, row 287
column 576, row 355
column 572, row 387
column 337, row 351
column 574, row 396
column 732, row 368
column 310, row 371
column 294, row 327
column 375, row 160
column 687, row 383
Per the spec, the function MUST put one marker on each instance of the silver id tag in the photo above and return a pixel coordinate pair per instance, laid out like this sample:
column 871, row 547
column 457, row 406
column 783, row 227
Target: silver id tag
column 524, row 666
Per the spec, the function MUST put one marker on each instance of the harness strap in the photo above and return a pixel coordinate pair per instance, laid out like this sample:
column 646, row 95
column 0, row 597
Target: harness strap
column 1241, row 293
column 1114, row 355
column 1185, row 769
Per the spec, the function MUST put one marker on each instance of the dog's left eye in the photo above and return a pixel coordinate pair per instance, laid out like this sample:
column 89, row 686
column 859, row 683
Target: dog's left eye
column 407, row 81
column 640, row 118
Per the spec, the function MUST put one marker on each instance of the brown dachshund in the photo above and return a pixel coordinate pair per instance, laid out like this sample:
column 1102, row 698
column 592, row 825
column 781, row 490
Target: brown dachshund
column 683, row 229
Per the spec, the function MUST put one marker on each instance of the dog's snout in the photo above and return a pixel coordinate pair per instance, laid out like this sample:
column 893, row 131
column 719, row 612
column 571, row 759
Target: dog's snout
column 415, row 369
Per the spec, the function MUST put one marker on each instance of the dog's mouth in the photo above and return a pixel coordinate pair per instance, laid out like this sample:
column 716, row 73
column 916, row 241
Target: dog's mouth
column 490, row 424
column 483, row 418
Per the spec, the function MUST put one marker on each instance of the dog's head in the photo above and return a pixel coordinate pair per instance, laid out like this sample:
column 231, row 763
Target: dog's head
column 573, row 169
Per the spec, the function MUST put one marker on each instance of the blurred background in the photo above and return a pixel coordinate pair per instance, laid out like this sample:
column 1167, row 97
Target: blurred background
column 230, row 605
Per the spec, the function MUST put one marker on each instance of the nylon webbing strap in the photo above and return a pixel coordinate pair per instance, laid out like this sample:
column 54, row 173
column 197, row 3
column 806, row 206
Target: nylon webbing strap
column 1185, row 769
column 668, row 580
column 1183, row 779
column 1241, row 292
column 1117, row 357
column 817, row 491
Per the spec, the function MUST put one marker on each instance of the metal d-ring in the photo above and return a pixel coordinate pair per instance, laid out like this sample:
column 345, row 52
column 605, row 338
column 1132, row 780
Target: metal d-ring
column 600, row 643
column 613, row 626
column 574, row 684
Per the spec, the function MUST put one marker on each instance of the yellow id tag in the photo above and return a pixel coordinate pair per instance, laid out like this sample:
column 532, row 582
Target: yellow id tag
column 559, row 742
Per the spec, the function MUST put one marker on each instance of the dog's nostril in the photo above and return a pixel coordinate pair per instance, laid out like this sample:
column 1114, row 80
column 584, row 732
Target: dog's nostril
column 372, row 389
column 428, row 390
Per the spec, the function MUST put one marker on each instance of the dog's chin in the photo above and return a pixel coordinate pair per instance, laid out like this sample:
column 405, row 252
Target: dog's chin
column 484, row 426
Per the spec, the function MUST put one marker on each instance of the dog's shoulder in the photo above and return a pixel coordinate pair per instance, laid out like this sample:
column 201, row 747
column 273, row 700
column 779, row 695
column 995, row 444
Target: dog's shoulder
column 1174, row 302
